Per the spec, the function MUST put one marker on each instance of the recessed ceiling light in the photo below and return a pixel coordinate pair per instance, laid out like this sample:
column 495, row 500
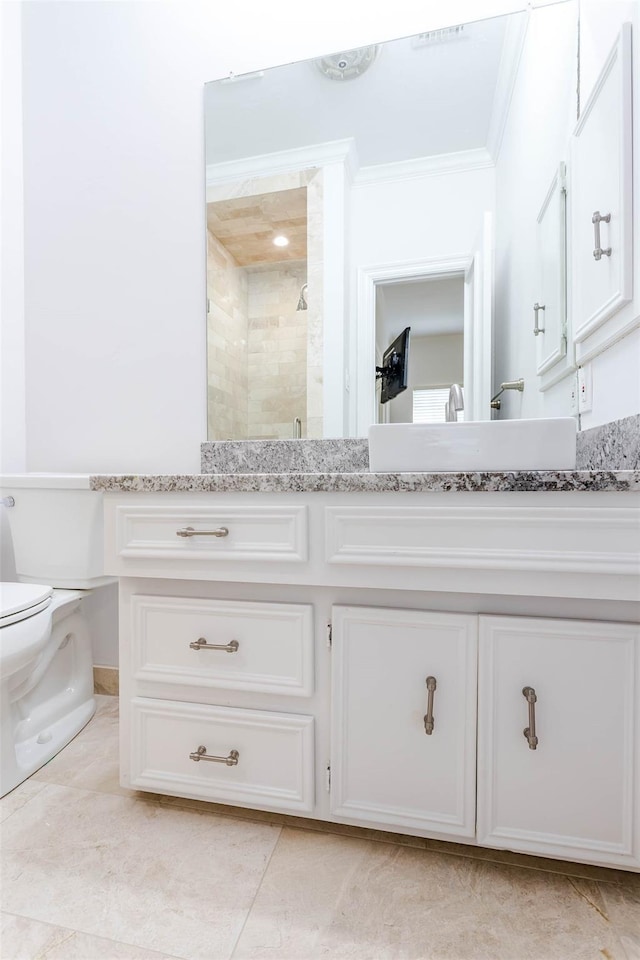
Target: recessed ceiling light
column 281, row 242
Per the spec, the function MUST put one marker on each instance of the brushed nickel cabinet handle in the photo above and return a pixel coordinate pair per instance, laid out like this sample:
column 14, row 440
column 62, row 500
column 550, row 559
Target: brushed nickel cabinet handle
column 201, row 754
column 429, row 722
column 190, row 532
column 596, row 220
column 536, row 327
column 201, row 644
column 530, row 732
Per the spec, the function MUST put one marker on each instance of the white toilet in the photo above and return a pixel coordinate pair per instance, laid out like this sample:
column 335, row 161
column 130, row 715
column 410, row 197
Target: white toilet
column 46, row 677
column 46, row 666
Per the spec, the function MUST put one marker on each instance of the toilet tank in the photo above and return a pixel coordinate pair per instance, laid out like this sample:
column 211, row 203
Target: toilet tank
column 56, row 529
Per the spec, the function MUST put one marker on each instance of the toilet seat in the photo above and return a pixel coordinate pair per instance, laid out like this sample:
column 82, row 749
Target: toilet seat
column 18, row 601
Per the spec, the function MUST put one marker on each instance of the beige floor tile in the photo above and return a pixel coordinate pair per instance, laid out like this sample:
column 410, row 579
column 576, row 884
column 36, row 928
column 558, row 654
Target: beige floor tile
column 398, row 903
column 22, row 939
column 299, row 893
column 622, row 902
column 91, row 760
column 18, row 797
column 172, row 880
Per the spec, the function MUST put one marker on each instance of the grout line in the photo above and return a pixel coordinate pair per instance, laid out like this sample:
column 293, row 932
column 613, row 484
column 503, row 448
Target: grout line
column 71, row 931
column 588, row 900
column 258, row 889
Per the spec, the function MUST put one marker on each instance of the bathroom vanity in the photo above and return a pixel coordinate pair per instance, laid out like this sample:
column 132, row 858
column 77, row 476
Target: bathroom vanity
column 444, row 655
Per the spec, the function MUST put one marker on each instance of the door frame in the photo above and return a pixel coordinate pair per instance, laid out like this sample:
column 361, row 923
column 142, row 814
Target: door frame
column 433, row 268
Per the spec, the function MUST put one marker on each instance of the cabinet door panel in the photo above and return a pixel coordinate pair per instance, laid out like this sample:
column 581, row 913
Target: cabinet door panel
column 385, row 768
column 573, row 794
column 601, row 151
column 551, row 340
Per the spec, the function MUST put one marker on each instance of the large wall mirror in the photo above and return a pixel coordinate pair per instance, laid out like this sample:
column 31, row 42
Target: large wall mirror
column 353, row 196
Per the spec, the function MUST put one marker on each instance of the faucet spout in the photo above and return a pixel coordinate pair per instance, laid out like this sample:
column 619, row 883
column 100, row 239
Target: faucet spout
column 455, row 403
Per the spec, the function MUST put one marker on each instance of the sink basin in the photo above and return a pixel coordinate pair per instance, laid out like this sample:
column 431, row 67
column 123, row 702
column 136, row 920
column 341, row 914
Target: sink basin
column 488, row 445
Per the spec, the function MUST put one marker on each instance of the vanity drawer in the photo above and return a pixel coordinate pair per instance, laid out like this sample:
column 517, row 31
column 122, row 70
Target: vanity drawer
column 271, row 755
column 209, row 533
column 266, row 647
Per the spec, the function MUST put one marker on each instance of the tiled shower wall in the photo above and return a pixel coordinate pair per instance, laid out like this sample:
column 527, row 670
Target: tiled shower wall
column 226, row 344
column 277, row 349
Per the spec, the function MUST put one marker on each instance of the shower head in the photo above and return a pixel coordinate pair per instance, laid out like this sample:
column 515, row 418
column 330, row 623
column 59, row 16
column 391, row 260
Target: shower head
column 302, row 300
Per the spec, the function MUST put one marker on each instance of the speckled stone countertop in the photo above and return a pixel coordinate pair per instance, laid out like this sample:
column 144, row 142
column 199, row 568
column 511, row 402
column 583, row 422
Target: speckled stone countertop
column 544, row 481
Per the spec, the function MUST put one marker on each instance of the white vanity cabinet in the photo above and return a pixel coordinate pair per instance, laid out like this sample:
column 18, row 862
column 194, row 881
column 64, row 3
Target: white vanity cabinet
column 404, row 719
column 558, row 718
column 333, row 657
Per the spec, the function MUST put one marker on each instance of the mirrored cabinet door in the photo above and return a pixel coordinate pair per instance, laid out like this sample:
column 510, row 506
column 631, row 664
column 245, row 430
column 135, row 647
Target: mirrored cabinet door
column 550, row 306
column 601, row 202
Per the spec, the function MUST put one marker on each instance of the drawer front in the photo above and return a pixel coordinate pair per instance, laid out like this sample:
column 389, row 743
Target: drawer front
column 266, row 647
column 270, row 754
column 211, row 533
column 552, row 539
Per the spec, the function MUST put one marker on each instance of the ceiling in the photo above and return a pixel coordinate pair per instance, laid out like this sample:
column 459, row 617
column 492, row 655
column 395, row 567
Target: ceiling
column 421, row 97
column 246, row 226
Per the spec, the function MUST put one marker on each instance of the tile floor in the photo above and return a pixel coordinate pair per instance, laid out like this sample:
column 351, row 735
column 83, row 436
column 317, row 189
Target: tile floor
column 91, row 871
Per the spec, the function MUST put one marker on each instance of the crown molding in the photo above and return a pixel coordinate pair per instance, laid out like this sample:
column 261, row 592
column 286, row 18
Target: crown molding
column 434, row 166
column 284, row 161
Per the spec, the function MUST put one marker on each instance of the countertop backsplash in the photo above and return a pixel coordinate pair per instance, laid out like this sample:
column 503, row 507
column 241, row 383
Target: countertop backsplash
column 612, row 446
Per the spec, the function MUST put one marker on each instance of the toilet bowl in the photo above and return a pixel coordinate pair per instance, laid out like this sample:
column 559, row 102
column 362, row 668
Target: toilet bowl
column 46, row 676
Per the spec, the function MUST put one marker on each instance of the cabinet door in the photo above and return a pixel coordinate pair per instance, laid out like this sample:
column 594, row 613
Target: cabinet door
column 386, row 768
column 565, row 788
column 550, row 309
column 601, row 177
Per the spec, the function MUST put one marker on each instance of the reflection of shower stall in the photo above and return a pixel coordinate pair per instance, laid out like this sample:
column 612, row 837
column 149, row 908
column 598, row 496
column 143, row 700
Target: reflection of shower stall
column 264, row 330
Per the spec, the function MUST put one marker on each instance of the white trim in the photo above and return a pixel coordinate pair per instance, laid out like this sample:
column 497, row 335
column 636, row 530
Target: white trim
column 437, row 165
column 284, row 161
column 367, row 279
column 512, row 49
column 605, row 338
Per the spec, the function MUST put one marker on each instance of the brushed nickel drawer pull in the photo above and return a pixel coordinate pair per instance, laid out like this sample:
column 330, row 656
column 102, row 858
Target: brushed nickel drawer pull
column 596, row 220
column 536, row 327
column 190, row 532
column 429, row 722
column 530, row 731
column 201, row 644
column 201, row 754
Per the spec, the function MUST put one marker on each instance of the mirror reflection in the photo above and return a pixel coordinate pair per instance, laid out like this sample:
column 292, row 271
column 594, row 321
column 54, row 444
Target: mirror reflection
column 348, row 198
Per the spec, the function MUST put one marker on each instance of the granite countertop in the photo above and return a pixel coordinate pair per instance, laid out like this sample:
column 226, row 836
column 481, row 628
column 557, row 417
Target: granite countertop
column 342, row 466
column 358, row 482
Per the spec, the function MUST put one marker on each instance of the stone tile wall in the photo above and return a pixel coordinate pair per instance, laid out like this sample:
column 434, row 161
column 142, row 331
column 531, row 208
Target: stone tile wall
column 227, row 335
column 277, row 350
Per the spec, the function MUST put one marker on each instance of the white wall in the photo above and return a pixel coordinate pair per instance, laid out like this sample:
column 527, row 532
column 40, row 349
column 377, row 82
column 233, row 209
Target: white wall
column 12, row 384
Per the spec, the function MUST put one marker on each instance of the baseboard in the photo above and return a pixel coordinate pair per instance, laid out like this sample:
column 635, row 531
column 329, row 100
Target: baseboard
column 106, row 680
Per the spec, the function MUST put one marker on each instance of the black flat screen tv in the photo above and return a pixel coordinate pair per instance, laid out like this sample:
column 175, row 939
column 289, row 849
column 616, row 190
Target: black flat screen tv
column 395, row 366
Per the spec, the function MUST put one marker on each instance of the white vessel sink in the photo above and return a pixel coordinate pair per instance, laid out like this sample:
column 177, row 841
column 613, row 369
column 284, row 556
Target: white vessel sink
column 487, row 445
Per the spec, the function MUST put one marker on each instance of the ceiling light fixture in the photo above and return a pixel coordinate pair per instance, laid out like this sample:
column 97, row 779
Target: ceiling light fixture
column 280, row 241
column 349, row 64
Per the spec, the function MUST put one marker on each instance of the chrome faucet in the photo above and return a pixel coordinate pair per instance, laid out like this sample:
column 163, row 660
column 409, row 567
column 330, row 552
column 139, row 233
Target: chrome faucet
column 454, row 403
